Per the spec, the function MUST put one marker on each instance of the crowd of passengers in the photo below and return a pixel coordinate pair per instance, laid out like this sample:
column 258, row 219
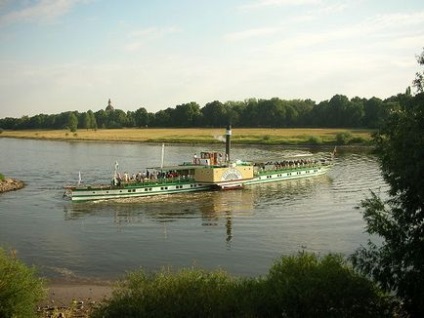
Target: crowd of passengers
column 147, row 176
column 286, row 164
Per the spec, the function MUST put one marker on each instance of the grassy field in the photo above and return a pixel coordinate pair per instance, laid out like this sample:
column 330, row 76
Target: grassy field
column 191, row 135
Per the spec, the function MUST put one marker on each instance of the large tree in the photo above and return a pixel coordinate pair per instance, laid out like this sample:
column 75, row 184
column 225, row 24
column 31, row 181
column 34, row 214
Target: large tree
column 72, row 122
column 397, row 263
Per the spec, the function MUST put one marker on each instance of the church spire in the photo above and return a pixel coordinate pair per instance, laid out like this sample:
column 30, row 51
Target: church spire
column 109, row 106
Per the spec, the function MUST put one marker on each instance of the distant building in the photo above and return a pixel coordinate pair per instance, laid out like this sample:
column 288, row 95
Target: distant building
column 109, row 107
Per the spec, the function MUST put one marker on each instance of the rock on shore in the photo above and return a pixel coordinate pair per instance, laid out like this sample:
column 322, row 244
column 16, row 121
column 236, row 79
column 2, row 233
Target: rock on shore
column 9, row 184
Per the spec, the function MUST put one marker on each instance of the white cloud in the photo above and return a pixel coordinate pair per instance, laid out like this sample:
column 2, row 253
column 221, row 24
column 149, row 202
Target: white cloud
column 40, row 11
column 242, row 35
column 138, row 38
column 275, row 3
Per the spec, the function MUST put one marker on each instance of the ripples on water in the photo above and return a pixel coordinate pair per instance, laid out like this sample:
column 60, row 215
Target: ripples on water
column 240, row 231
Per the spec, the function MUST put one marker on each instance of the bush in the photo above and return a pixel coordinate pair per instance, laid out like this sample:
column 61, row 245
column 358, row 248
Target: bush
column 186, row 293
column 2, row 177
column 306, row 286
column 20, row 288
column 314, row 140
column 343, row 138
column 296, row 286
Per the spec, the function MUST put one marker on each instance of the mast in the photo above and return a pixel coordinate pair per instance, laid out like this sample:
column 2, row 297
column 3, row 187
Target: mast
column 162, row 155
column 227, row 143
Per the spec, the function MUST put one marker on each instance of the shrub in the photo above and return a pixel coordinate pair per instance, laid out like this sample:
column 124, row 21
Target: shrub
column 20, row 288
column 186, row 293
column 2, row 177
column 314, row 140
column 296, row 286
column 343, row 138
column 306, row 286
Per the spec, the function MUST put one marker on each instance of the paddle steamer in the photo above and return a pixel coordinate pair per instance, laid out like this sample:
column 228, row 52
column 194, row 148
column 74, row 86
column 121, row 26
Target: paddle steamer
column 211, row 171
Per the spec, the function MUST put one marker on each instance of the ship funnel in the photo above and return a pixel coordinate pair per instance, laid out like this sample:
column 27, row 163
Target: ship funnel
column 227, row 143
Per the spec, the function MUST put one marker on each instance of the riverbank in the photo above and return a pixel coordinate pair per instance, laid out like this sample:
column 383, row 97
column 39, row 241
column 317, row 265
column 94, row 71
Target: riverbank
column 9, row 184
column 74, row 298
column 262, row 136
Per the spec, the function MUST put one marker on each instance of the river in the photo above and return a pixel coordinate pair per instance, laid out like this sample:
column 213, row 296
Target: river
column 240, row 231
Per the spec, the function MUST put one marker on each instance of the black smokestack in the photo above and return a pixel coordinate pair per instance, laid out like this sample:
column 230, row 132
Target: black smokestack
column 227, row 143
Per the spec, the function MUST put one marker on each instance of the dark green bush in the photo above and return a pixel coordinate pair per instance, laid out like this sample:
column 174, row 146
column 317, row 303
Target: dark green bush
column 186, row 293
column 306, row 286
column 20, row 288
column 1, row 177
column 296, row 286
column 343, row 138
column 314, row 140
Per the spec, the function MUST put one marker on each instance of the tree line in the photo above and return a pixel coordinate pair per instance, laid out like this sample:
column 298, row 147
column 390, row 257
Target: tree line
column 339, row 111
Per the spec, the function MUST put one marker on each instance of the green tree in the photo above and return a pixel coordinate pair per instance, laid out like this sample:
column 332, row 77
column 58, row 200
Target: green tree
column 141, row 117
column 117, row 119
column 93, row 122
column 214, row 114
column 163, row 118
column 86, row 121
column 248, row 117
column 72, row 122
column 187, row 115
column 398, row 262
column 418, row 82
column 101, row 118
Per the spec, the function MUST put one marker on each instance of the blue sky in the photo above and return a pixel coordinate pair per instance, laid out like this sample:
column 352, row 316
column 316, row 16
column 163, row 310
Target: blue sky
column 60, row 55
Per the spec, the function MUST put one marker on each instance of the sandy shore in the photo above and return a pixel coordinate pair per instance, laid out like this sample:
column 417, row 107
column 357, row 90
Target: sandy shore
column 73, row 298
column 65, row 293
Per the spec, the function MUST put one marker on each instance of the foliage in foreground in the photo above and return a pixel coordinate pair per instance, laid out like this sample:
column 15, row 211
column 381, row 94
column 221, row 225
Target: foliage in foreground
column 397, row 264
column 20, row 288
column 296, row 286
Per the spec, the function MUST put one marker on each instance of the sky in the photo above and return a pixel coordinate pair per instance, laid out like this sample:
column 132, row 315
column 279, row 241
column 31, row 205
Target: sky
column 73, row 55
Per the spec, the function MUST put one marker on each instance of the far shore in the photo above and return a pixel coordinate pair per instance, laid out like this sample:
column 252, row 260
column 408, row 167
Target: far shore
column 262, row 136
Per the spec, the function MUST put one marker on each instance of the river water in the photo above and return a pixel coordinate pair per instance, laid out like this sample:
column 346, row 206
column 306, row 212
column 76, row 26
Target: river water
column 240, row 231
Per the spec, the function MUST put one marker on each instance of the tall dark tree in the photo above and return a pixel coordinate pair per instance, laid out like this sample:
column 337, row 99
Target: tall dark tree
column 141, row 117
column 101, row 118
column 214, row 114
column 163, row 118
column 373, row 112
column 398, row 262
column 248, row 117
column 187, row 115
